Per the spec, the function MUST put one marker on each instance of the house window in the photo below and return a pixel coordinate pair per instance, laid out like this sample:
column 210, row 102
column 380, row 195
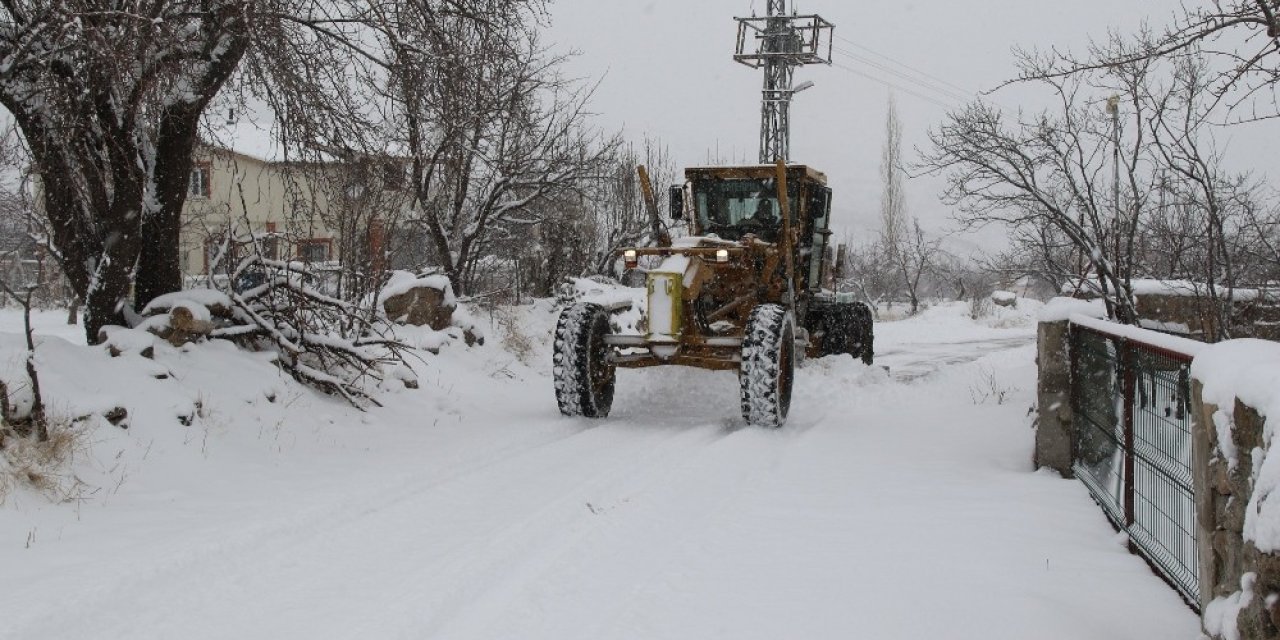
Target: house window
column 271, row 243
column 213, row 254
column 313, row 250
column 199, row 186
column 393, row 177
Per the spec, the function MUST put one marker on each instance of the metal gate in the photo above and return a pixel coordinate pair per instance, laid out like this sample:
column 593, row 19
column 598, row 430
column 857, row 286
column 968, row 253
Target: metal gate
column 1132, row 418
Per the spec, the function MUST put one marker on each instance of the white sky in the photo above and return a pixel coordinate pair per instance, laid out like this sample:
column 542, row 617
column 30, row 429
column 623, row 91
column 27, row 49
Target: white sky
column 666, row 69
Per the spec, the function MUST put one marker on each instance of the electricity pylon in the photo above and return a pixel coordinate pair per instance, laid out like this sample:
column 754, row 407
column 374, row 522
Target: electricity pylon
column 781, row 43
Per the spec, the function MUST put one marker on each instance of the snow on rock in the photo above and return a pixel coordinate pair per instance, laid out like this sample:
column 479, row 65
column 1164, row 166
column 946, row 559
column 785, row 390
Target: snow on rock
column 1004, row 298
column 410, row 299
column 1062, row 308
column 125, row 340
column 402, row 282
column 1221, row 617
column 1249, row 371
column 191, row 298
column 427, row 314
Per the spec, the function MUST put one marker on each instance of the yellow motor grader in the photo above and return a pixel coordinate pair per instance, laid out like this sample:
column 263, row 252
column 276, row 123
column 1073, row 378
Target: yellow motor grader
column 743, row 292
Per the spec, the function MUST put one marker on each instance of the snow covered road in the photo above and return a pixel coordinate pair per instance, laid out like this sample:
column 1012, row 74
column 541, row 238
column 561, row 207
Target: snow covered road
column 890, row 506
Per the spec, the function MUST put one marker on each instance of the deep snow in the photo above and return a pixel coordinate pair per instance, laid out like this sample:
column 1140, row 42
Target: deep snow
column 891, row 505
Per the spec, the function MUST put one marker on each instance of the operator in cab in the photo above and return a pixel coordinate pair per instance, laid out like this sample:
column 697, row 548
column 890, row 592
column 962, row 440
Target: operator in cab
column 763, row 223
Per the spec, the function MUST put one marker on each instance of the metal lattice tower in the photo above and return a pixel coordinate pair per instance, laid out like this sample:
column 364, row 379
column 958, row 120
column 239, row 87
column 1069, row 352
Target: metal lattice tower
column 779, row 43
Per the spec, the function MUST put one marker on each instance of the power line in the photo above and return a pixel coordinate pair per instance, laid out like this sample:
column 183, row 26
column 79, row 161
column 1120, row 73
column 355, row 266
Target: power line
column 887, row 83
column 955, row 93
column 925, row 74
column 949, row 94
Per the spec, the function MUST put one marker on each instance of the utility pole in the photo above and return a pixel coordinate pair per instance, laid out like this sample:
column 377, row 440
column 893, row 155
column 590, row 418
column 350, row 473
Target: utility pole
column 1113, row 108
column 778, row 43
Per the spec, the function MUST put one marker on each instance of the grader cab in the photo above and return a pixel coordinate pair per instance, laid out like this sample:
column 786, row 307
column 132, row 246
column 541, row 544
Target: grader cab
column 743, row 291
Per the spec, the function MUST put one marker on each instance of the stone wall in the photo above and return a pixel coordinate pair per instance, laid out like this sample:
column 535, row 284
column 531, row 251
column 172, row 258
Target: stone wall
column 1239, row 585
column 1194, row 317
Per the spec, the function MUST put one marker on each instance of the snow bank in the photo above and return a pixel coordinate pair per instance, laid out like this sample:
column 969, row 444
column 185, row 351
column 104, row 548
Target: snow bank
column 1248, row 371
column 491, row 516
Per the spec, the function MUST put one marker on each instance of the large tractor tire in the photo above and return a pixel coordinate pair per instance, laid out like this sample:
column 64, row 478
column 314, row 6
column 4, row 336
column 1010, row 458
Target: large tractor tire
column 844, row 328
column 584, row 379
column 768, row 366
column 862, row 325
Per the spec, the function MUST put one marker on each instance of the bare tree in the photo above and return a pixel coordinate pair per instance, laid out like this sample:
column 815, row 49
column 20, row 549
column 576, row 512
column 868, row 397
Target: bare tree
column 1240, row 36
column 495, row 131
column 894, row 225
column 108, row 103
column 620, row 214
column 916, row 257
column 1073, row 172
column 864, row 270
column 1138, row 190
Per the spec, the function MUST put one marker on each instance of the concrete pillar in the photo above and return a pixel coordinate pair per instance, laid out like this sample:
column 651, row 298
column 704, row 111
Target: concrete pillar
column 1208, row 492
column 1054, row 434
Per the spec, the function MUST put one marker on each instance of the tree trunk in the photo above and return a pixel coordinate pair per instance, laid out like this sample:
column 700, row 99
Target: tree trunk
column 159, row 263
column 100, row 271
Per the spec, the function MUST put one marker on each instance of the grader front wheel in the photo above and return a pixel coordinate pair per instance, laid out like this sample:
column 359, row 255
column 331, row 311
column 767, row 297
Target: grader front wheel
column 768, row 366
column 584, row 379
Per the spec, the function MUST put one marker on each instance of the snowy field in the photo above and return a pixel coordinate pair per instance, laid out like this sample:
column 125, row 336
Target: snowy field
column 892, row 505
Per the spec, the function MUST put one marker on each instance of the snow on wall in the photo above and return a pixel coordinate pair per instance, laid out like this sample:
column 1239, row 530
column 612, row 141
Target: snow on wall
column 1138, row 334
column 1176, row 288
column 1249, row 371
column 1188, row 288
column 1061, row 309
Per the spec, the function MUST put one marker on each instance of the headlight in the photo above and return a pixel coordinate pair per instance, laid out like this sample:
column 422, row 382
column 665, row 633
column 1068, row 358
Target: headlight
column 629, row 257
column 722, row 255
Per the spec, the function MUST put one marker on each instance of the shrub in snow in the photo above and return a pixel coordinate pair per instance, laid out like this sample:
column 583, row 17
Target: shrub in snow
column 42, row 465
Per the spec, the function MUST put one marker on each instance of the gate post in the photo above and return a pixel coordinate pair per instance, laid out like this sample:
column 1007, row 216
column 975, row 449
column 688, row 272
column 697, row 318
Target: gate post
column 1055, row 437
column 1129, row 392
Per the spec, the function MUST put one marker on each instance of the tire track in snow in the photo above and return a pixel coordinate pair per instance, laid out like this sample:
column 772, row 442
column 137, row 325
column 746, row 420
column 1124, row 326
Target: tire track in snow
column 232, row 570
column 187, row 556
column 615, row 553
